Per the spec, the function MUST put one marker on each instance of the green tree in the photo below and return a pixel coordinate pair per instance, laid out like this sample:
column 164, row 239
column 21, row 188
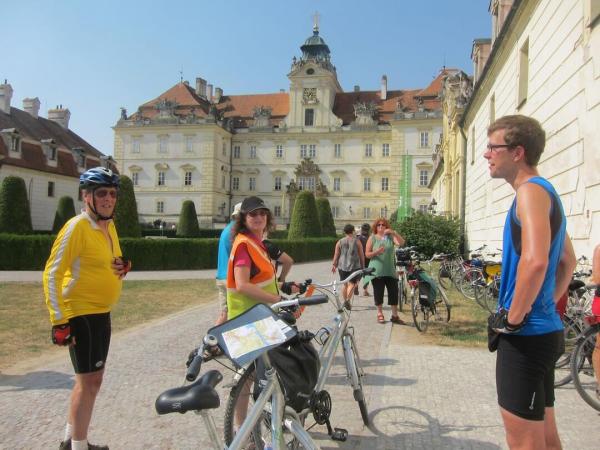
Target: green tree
column 188, row 220
column 431, row 234
column 126, row 214
column 15, row 215
column 325, row 218
column 64, row 211
column 305, row 219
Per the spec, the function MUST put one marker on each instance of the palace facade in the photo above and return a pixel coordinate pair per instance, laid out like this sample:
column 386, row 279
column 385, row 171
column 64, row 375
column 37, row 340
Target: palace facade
column 368, row 152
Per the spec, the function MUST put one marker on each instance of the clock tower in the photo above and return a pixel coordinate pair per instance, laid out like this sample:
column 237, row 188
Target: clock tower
column 313, row 86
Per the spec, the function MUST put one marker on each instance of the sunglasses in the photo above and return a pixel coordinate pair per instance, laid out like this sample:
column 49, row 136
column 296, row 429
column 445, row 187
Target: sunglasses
column 380, row 225
column 101, row 193
column 258, row 212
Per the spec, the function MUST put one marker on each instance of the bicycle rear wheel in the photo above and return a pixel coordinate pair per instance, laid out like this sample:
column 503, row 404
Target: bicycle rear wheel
column 444, row 274
column 467, row 280
column 562, row 368
column 582, row 367
column 355, row 374
column 420, row 313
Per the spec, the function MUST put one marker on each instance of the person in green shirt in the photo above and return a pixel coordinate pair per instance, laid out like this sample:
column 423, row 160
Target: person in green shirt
column 380, row 251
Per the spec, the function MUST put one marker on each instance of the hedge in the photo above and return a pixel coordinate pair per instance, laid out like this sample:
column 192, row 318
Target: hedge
column 31, row 252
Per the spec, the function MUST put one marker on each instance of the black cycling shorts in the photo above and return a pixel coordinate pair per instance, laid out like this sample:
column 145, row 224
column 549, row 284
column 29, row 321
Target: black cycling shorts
column 525, row 373
column 345, row 274
column 92, row 339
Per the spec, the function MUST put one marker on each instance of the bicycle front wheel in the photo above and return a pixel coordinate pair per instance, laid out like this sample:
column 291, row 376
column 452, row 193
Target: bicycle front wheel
column 465, row 284
column 402, row 292
column 585, row 362
column 355, row 375
column 420, row 313
column 444, row 274
column 562, row 367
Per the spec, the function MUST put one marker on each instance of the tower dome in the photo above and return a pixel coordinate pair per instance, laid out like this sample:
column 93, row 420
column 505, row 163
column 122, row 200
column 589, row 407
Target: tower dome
column 315, row 48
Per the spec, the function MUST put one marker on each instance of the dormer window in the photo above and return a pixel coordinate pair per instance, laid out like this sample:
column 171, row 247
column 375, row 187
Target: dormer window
column 310, row 71
column 49, row 148
column 79, row 156
column 12, row 139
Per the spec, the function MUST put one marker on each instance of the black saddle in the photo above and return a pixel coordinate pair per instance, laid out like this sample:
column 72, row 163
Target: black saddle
column 576, row 284
column 194, row 397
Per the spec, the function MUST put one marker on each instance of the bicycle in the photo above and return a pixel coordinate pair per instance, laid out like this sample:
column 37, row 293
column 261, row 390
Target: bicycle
column 422, row 305
column 269, row 417
column 578, row 302
column 487, row 289
column 584, row 363
column 329, row 338
column 404, row 257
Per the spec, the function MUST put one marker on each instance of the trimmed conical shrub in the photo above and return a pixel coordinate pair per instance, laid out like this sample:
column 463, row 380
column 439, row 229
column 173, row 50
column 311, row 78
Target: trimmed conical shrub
column 305, row 219
column 188, row 220
column 15, row 215
column 64, row 211
column 126, row 214
column 325, row 218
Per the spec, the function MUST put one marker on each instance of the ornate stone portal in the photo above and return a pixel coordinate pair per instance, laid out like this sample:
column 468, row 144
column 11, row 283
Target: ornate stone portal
column 307, row 179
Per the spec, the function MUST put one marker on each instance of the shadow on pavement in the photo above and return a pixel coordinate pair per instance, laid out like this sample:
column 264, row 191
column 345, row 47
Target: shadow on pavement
column 371, row 380
column 36, row 380
column 398, row 427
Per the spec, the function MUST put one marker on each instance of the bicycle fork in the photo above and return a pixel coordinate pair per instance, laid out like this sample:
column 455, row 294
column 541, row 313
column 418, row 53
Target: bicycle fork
column 353, row 369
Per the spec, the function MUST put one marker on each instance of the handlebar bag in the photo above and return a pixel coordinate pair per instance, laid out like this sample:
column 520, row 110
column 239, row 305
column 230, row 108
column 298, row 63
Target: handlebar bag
column 402, row 257
column 427, row 288
column 297, row 365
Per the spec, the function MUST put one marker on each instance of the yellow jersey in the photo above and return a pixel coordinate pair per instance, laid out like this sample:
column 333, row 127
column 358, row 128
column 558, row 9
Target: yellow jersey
column 78, row 278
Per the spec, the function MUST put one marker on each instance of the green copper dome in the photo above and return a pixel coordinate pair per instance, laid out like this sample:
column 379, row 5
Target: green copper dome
column 315, row 48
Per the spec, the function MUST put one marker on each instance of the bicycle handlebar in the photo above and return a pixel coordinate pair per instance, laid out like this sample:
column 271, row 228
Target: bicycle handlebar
column 366, row 271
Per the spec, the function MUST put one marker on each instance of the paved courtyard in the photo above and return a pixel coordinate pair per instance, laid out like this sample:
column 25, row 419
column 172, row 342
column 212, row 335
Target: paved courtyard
column 419, row 397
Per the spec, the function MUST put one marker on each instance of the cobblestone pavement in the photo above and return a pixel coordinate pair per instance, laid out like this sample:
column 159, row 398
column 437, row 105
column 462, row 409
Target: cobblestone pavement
column 419, row 397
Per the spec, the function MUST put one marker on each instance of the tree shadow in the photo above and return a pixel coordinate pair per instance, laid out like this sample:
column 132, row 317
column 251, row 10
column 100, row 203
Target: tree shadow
column 45, row 379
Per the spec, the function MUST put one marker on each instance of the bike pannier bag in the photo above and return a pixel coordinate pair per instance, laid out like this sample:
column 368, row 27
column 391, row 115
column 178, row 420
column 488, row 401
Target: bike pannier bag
column 297, row 365
column 427, row 289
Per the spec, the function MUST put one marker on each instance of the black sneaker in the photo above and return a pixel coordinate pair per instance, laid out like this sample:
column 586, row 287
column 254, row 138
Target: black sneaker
column 66, row 445
column 347, row 305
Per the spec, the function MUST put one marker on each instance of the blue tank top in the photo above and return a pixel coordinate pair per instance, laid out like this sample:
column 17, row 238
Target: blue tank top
column 543, row 317
column 225, row 245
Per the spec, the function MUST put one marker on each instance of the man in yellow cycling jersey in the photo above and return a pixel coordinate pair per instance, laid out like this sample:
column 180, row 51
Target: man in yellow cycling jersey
column 82, row 282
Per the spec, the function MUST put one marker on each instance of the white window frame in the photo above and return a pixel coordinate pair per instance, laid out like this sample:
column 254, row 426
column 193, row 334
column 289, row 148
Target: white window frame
column 335, row 211
column 337, row 184
column 424, row 139
column 385, row 184
column 423, row 209
column 385, row 150
column 236, row 151
column 367, row 184
column 252, row 183
column 277, row 211
column 312, row 151
column 306, row 184
column 189, row 144
column 368, row 150
column 135, row 178
column 277, row 184
column 136, row 145
column 253, row 152
column 423, row 177
column 187, row 178
column 160, row 207
column 163, row 144
column 235, row 183
column 279, row 151
column 303, row 151
column 337, row 150
column 161, row 178
column 366, row 213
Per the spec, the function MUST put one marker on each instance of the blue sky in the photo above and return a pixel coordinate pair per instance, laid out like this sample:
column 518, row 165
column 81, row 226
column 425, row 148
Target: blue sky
column 94, row 57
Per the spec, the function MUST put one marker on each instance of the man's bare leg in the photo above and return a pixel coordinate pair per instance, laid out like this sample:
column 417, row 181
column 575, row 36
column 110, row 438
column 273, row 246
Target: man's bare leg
column 83, row 397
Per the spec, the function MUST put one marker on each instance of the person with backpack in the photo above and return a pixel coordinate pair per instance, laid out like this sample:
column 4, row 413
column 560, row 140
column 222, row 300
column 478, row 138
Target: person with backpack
column 348, row 257
column 380, row 250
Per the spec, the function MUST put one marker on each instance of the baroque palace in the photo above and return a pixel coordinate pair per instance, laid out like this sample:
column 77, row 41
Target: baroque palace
column 369, row 152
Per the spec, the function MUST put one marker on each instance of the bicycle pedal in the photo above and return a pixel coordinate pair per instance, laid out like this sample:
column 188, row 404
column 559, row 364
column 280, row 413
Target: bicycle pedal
column 339, row 434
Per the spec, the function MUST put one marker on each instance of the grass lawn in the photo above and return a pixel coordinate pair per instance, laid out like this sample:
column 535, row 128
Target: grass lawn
column 467, row 326
column 25, row 326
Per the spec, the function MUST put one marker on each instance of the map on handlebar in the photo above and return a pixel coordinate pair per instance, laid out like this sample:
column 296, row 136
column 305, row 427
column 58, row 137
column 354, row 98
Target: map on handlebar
column 249, row 335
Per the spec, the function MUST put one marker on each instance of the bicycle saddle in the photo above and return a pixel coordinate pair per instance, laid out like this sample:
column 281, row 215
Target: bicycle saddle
column 194, row 397
column 576, row 284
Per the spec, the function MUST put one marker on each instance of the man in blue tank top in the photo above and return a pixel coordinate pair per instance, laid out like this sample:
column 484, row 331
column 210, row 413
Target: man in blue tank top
column 537, row 264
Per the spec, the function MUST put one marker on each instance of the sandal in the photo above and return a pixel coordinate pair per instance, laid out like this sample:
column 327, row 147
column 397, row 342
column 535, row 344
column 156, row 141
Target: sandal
column 380, row 318
column 397, row 320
